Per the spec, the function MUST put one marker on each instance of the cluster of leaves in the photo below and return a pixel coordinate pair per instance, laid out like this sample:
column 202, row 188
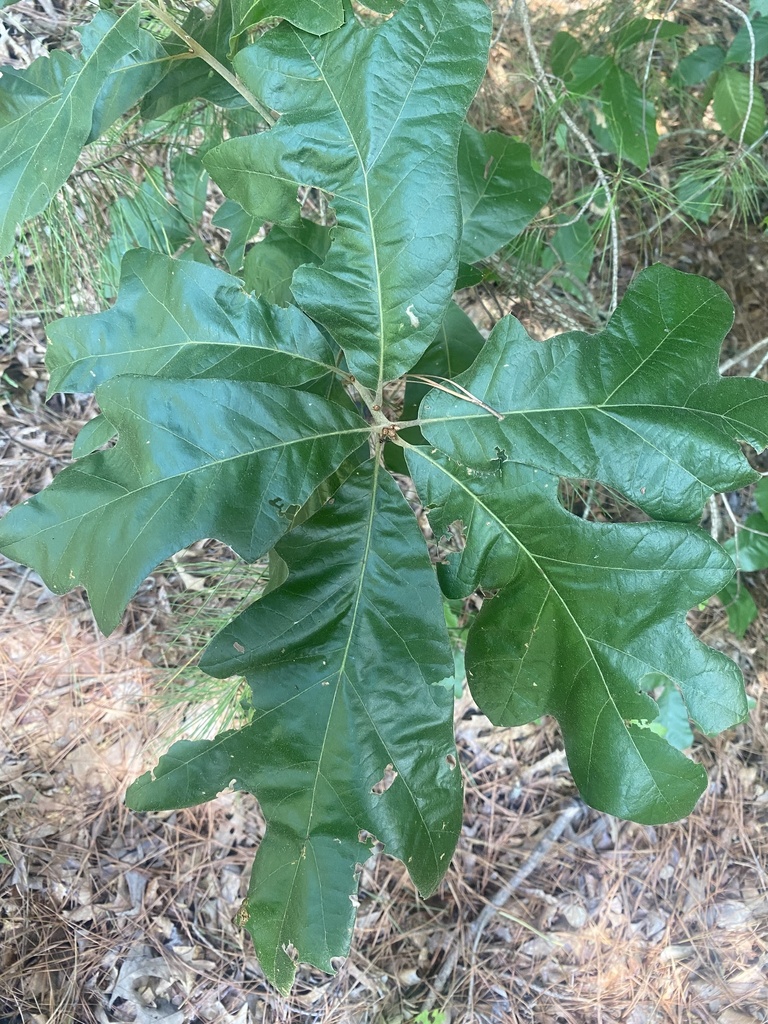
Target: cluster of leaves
column 628, row 118
column 627, row 121
column 255, row 411
column 621, row 99
column 737, row 100
column 749, row 550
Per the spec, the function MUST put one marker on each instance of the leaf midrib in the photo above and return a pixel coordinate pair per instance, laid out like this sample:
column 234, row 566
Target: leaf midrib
column 187, row 473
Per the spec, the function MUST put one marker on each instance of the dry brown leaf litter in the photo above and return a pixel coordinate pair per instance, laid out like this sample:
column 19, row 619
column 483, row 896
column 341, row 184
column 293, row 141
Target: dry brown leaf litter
column 110, row 916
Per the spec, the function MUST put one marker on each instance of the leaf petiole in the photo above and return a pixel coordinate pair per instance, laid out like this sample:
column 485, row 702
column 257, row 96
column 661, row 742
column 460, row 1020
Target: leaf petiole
column 461, row 392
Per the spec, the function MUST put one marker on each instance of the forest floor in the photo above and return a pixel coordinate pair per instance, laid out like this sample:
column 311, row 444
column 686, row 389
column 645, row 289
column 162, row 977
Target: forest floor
column 111, row 916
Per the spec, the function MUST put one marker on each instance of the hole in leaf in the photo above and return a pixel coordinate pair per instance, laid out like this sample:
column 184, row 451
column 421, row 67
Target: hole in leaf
column 593, row 501
column 366, row 838
column 451, row 761
column 290, row 951
column 238, row 647
column 385, row 781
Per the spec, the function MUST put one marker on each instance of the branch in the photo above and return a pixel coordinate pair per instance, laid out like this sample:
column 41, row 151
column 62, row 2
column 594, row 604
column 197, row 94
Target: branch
column 543, row 81
column 751, row 76
column 162, row 16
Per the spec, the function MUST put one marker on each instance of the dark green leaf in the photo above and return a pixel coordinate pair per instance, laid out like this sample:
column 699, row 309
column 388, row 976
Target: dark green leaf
column 631, row 118
column 132, row 76
column 468, row 276
column 95, row 434
column 740, row 51
column 640, row 406
column 270, row 265
column 586, row 613
column 317, row 16
column 645, row 30
column 699, row 65
column 22, row 91
column 452, row 352
column 587, row 73
column 698, row 197
column 352, row 648
column 184, row 320
column 500, row 191
column 381, row 109
column 188, row 78
column 190, row 185
column 571, row 255
column 731, row 101
column 45, row 120
column 563, row 51
column 144, row 220
column 740, row 606
column 194, row 459
column 242, row 228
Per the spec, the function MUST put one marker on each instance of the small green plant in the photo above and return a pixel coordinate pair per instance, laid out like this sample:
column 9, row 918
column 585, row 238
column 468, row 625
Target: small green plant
column 263, row 414
column 749, row 550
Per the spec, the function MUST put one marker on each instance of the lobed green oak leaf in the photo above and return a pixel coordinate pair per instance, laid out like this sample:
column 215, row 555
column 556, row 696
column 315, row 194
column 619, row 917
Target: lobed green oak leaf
column 46, row 116
column 194, row 459
column 372, row 116
column 640, row 406
column 184, row 320
column 586, row 617
column 344, row 664
column 500, row 191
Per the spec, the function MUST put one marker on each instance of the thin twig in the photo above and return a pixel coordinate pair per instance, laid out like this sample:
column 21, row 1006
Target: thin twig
column 505, row 893
column 742, row 356
column 500, row 899
column 542, row 79
column 647, row 74
column 751, row 76
column 16, row 594
column 162, row 16
column 462, row 394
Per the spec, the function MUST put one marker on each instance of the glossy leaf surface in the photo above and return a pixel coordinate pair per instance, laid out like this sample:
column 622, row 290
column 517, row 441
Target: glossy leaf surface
column 213, row 458
column 382, row 109
column 184, row 320
column 500, row 191
column 271, row 263
column 46, row 118
column 640, row 406
column 317, row 16
column 585, row 614
column 334, row 657
column 131, row 77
